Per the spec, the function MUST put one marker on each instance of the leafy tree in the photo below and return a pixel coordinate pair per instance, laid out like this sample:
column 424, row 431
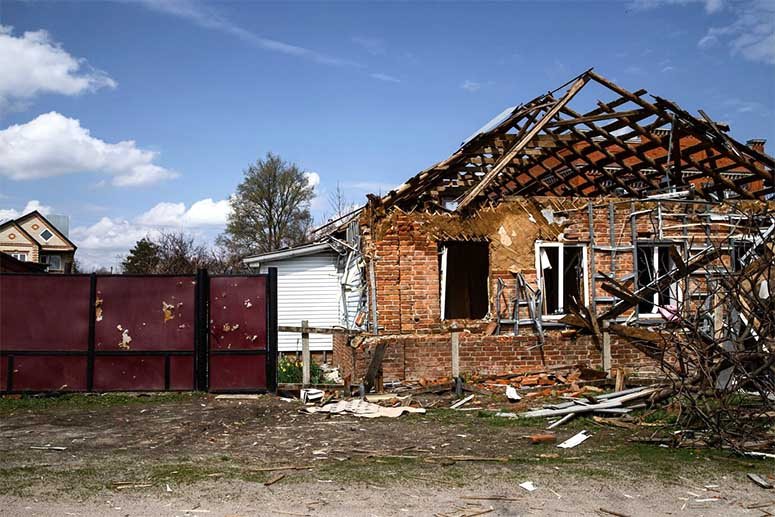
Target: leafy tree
column 270, row 209
column 143, row 258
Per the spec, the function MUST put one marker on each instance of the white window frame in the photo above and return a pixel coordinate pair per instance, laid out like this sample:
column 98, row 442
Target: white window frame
column 561, row 265
column 46, row 230
column 675, row 292
column 21, row 256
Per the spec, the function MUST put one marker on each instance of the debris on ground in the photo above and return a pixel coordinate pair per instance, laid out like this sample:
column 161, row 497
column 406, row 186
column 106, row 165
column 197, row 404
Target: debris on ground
column 756, row 478
column 311, row 395
column 529, row 486
column 362, row 408
column 460, row 402
column 542, row 438
column 574, row 440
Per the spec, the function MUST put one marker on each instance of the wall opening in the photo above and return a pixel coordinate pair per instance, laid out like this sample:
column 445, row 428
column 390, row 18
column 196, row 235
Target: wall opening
column 654, row 261
column 561, row 273
column 464, row 271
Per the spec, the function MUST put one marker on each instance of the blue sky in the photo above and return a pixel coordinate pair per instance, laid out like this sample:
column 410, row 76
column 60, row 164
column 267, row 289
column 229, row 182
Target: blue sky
column 136, row 116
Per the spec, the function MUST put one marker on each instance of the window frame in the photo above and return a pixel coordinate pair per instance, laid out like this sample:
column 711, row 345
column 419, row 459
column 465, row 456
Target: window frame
column 44, row 230
column 21, row 256
column 561, row 280
column 675, row 291
column 47, row 260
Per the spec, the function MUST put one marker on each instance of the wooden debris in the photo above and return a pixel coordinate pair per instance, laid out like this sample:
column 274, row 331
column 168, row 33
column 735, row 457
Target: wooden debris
column 542, row 438
column 274, row 479
column 756, row 478
column 611, row 512
column 287, row 467
column 490, row 498
column 460, row 402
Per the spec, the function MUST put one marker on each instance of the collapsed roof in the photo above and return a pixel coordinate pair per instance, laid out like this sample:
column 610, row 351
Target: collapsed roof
column 625, row 147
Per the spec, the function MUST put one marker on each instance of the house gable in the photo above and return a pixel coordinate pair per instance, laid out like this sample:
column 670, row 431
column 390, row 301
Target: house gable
column 36, row 224
column 14, row 239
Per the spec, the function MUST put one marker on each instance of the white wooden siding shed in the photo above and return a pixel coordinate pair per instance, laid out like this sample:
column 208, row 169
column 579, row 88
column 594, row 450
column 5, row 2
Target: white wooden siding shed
column 311, row 285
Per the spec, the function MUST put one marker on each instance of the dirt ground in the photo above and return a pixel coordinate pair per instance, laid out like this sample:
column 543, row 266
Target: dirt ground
column 195, row 455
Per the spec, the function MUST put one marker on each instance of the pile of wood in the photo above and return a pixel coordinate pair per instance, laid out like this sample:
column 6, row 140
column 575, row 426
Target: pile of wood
column 610, row 404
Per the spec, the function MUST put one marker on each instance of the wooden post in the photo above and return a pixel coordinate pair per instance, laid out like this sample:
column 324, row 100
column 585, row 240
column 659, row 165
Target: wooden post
column 606, row 348
column 305, row 359
column 456, row 359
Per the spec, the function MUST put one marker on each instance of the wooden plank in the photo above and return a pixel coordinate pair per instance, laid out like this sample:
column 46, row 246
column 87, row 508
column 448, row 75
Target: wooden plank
column 374, row 366
column 318, row 330
column 537, row 127
column 601, row 116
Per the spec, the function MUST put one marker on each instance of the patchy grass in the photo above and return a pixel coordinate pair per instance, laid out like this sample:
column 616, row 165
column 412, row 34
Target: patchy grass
column 13, row 403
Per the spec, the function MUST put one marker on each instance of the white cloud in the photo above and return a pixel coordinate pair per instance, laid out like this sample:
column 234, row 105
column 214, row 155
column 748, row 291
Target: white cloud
column 385, row 77
column 33, row 64
column 54, row 145
column 208, row 17
column 313, row 179
column 33, row 204
column 205, row 212
column 751, row 33
column 471, row 86
column 711, row 6
column 107, row 241
column 110, row 234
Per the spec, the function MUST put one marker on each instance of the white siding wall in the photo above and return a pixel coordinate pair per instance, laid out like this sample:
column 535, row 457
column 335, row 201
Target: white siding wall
column 307, row 288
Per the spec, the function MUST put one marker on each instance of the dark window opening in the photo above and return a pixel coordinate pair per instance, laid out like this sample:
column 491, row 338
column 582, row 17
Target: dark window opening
column 464, row 270
column 654, row 261
column 562, row 274
column 739, row 249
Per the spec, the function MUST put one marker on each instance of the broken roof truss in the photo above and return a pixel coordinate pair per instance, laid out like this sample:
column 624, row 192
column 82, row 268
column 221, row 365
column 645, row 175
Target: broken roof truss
column 626, row 147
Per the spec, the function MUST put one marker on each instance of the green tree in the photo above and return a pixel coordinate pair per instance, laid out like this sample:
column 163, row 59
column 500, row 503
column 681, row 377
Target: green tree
column 143, row 258
column 270, row 209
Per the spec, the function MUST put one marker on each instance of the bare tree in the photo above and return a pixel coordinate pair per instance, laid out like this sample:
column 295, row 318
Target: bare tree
column 338, row 202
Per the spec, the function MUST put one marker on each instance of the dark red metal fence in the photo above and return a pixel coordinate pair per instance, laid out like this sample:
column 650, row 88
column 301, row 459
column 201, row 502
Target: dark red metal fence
column 138, row 333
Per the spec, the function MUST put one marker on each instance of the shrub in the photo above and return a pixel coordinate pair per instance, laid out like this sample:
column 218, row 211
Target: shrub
column 289, row 371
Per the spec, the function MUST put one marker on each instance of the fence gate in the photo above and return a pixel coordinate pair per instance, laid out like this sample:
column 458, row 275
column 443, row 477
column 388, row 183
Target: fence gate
column 138, row 332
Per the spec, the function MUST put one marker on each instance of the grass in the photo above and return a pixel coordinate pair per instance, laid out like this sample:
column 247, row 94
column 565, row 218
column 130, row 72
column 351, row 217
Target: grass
column 13, row 403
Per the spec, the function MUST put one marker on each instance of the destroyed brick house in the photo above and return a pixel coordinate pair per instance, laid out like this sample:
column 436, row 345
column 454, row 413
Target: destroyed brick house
column 550, row 237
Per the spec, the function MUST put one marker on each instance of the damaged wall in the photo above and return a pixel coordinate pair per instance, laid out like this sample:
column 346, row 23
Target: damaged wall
column 405, row 249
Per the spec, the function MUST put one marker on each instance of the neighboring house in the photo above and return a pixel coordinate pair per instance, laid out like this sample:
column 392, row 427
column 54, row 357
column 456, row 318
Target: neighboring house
column 34, row 238
column 318, row 282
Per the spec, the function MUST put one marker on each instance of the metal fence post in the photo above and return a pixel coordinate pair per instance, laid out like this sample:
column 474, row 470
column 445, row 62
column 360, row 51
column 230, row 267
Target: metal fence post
column 92, row 332
column 201, row 330
column 305, row 353
column 271, row 329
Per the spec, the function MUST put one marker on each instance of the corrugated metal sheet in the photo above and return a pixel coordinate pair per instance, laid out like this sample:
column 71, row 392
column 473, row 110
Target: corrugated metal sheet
column 308, row 288
column 352, row 280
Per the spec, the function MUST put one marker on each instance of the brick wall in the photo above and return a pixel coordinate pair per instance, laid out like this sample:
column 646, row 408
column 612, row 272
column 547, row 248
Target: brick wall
column 405, row 246
column 429, row 356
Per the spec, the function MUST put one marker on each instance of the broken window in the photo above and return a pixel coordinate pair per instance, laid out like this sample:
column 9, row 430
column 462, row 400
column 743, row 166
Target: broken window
column 739, row 249
column 654, row 261
column 464, row 268
column 561, row 272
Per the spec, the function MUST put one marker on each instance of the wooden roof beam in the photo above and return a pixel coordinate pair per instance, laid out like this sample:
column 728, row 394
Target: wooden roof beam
column 514, row 151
